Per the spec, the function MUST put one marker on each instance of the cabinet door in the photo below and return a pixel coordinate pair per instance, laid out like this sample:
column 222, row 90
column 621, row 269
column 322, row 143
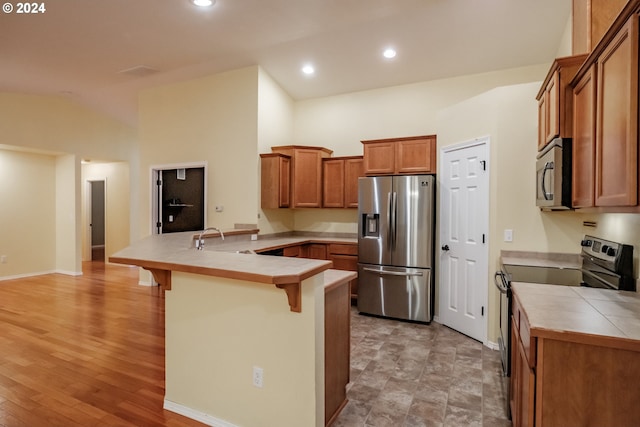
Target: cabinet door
column 316, row 251
column 584, row 135
column 333, row 188
column 552, row 95
column 379, row 158
column 307, row 178
column 617, row 120
column 292, row 251
column 526, row 393
column 542, row 121
column 353, row 169
column 274, row 180
column 337, row 348
column 416, row 155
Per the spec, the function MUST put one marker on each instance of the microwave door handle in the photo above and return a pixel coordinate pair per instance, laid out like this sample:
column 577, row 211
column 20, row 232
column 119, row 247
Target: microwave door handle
column 547, row 167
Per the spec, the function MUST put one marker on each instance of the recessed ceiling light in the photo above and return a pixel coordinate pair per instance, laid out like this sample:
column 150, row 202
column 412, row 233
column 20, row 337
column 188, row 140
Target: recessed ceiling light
column 308, row 69
column 389, row 53
column 203, row 3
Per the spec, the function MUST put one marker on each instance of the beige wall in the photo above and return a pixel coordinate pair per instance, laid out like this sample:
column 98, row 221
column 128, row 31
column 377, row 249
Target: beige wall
column 28, row 214
column 52, row 130
column 67, row 214
column 218, row 329
column 275, row 127
column 212, row 120
column 117, row 207
column 341, row 122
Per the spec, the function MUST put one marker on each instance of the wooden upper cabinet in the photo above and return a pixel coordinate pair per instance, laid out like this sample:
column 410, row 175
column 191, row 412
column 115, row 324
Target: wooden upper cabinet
column 340, row 181
column 590, row 21
column 584, row 140
column 275, row 180
column 379, row 157
column 306, row 174
column 555, row 101
column 333, row 183
column 353, row 169
column 617, row 119
column 411, row 155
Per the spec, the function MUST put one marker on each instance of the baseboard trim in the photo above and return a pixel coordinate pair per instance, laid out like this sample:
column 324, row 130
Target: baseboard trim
column 196, row 415
column 69, row 273
column 26, row 275
column 492, row 345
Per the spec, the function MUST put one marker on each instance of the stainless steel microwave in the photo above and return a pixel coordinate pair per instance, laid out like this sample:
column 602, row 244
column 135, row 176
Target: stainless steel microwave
column 553, row 175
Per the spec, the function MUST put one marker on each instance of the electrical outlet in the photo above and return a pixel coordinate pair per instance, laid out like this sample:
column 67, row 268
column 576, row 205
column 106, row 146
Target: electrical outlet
column 258, row 376
column 254, row 237
column 3, row 259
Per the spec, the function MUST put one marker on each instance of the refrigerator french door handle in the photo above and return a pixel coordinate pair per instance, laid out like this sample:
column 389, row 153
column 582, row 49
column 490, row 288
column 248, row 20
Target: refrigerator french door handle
column 390, row 230
column 394, row 219
column 392, row 273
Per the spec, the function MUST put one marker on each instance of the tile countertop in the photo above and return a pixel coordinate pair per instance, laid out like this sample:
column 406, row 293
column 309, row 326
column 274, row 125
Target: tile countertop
column 176, row 252
column 581, row 314
column 541, row 259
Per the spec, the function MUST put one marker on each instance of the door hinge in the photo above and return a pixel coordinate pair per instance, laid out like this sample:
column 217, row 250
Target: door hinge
column 482, row 310
column 158, row 224
column 483, row 163
column 158, row 183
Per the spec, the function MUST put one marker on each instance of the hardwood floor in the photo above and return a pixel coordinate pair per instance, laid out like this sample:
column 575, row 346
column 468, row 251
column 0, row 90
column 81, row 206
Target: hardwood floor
column 83, row 351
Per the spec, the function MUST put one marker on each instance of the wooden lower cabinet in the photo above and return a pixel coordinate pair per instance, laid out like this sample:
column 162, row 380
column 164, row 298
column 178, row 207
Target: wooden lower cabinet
column 316, row 251
column 337, row 348
column 523, row 380
column 579, row 380
column 345, row 257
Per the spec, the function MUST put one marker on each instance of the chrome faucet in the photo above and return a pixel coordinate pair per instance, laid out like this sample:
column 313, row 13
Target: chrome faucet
column 200, row 241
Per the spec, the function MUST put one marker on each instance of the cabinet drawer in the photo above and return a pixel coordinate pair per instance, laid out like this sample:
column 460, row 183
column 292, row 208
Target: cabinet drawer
column 523, row 332
column 343, row 249
column 344, row 262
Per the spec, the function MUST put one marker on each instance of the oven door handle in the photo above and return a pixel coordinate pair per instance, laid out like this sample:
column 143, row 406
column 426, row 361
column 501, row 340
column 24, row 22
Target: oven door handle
column 500, row 283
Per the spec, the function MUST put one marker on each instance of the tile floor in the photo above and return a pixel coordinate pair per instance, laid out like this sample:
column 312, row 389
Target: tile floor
column 410, row 375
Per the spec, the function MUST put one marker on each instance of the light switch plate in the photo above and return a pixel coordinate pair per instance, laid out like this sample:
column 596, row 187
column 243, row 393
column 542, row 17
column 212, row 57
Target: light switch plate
column 508, row 235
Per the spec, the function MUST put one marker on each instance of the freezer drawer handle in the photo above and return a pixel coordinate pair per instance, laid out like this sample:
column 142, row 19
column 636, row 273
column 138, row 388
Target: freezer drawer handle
column 392, row 273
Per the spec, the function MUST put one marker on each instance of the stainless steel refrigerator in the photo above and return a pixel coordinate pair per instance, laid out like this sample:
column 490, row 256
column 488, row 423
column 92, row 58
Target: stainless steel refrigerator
column 395, row 246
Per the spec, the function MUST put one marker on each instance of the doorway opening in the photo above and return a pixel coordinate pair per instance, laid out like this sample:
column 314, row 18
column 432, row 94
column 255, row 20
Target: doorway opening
column 97, row 205
column 178, row 198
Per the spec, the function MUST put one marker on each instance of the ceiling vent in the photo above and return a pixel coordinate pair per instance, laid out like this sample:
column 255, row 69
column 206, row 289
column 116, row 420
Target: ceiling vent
column 139, row 71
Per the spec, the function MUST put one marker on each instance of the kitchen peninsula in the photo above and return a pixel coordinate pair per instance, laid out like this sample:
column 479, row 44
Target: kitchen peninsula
column 228, row 313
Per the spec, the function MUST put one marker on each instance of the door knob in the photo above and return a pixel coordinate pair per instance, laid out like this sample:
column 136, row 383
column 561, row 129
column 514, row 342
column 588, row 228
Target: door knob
column 445, row 247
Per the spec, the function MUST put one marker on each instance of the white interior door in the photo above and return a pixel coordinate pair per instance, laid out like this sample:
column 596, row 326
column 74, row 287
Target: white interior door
column 464, row 223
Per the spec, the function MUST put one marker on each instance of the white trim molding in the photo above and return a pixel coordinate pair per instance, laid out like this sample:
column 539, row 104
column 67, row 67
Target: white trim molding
column 196, row 415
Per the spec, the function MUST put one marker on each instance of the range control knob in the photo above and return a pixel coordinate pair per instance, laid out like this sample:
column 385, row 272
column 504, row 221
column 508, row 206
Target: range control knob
column 586, row 243
column 611, row 251
column 605, row 248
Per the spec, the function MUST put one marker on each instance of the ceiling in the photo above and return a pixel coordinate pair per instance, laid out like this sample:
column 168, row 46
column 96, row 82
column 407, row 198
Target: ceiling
column 80, row 48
